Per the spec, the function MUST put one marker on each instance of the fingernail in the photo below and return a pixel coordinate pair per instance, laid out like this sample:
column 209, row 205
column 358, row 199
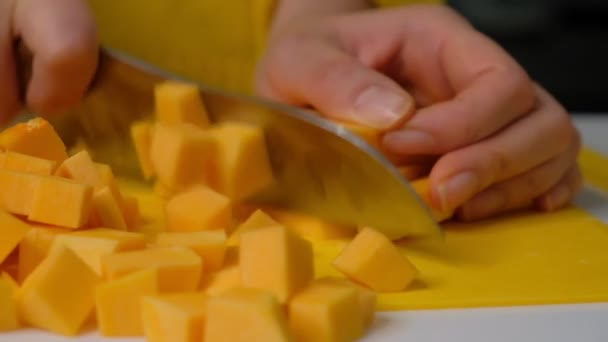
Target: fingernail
column 380, row 108
column 484, row 205
column 557, row 198
column 409, row 141
column 457, row 189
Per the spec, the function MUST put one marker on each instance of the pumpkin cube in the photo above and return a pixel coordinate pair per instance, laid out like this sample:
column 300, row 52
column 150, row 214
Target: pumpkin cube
column 17, row 191
column 276, row 260
column 232, row 256
column 370, row 135
column 61, row 202
column 12, row 232
column 179, row 102
column 10, row 266
column 58, row 295
column 209, row 245
column 181, row 155
column 107, row 211
column 24, row 163
column 162, row 190
column 326, row 312
column 79, row 145
column 107, row 179
column 178, row 317
column 141, row 135
column 243, row 313
column 80, row 168
column 10, row 280
column 243, row 165
column 179, row 268
column 415, row 171
column 8, row 311
column 36, row 138
column 118, row 303
column 258, row 219
column 131, row 214
column 199, row 208
column 422, row 186
column 367, row 298
column 311, row 227
column 374, row 261
column 91, row 245
column 226, row 279
column 35, row 247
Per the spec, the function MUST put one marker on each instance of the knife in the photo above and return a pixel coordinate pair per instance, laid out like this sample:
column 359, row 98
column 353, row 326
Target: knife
column 320, row 167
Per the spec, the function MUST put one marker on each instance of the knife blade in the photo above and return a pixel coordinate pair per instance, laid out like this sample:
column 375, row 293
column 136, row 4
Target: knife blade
column 320, row 167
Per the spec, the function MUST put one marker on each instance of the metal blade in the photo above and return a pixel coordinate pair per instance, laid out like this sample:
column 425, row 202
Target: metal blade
column 320, row 168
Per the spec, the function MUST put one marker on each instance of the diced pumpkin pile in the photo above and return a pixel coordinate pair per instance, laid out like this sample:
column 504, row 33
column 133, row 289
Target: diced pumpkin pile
column 72, row 251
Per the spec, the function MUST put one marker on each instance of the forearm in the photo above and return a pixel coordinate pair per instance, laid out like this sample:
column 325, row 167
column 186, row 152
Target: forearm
column 289, row 10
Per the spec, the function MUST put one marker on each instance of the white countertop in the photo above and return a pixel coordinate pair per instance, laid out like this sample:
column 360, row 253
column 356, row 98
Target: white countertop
column 552, row 323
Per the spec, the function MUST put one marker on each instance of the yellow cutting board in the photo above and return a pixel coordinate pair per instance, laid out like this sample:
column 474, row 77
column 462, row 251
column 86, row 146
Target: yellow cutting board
column 519, row 259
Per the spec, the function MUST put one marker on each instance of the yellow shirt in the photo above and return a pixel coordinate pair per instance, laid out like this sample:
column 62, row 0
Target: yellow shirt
column 216, row 42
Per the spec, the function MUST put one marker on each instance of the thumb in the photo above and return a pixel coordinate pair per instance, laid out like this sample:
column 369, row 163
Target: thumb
column 315, row 73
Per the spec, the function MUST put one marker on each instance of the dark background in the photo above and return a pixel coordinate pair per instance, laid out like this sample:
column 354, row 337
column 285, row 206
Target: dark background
column 563, row 44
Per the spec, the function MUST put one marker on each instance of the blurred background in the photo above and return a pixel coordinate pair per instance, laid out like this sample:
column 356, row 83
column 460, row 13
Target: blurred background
column 563, row 44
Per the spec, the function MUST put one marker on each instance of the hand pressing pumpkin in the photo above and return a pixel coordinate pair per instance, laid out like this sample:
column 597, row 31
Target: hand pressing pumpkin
column 439, row 88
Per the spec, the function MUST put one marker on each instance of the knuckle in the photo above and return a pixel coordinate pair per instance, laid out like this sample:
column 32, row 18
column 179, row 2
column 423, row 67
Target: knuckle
column 576, row 180
column 469, row 132
column 503, row 199
column 509, row 200
column 466, row 212
column 492, row 201
column 523, row 92
column 555, row 121
column 285, row 47
column 279, row 58
column 331, row 72
column 524, row 191
column 498, row 165
column 562, row 126
column 534, row 184
column 577, row 142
